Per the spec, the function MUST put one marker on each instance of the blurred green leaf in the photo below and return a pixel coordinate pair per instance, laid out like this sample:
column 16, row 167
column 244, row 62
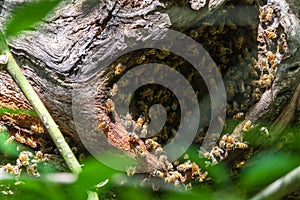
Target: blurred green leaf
column 25, row 16
column 93, row 173
column 267, row 169
column 133, row 193
column 219, row 173
column 37, row 189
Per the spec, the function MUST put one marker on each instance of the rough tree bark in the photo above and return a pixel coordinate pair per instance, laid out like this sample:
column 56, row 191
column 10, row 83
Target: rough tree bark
column 66, row 42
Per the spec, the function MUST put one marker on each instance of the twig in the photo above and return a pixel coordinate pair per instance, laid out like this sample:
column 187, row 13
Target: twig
column 281, row 187
column 15, row 71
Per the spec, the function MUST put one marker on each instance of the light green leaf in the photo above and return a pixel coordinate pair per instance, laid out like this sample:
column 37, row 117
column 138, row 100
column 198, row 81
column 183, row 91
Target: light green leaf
column 25, row 16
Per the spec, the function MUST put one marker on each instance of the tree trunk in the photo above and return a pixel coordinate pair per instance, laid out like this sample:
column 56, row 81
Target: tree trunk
column 79, row 32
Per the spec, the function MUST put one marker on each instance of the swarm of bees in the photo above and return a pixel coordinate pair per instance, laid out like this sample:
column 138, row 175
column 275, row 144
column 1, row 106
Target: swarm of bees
column 272, row 44
column 227, row 143
column 247, row 72
column 25, row 161
column 183, row 175
column 23, row 140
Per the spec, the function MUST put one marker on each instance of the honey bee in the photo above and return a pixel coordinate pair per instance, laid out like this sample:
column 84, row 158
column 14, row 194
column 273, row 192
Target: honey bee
column 221, row 28
column 283, row 41
column 202, row 176
column 239, row 115
column 142, row 105
column 20, row 138
column 241, row 86
column 128, row 121
column 249, row 153
column 144, row 131
column 155, row 188
column 253, row 72
column 102, row 126
column 266, row 80
column 271, row 34
column 239, row 42
column 235, row 106
column 266, row 13
column 141, row 59
column 176, row 183
column 140, row 121
column 231, row 88
column 240, row 145
column 110, row 106
column 113, row 91
column 265, row 131
column 37, row 128
column 169, row 165
column 131, row 170
column 151, row 145
column 194, row 34
column 31, row 143
column 184, row 167
column 162, row 158
column 195, row 169
column 10, row 139
column 247, row 126
column 246, row 53
column 119, row 69
column 133, row 137
column 176, row 162
column 204, row 154
column 140, row 151
column 158, row 151
column 256, row 94
column 222, row 142
column 224, row 59
column 239, row 164
column 158, row 173
column 186, row 156
column 11, row 169
column 264, row 63
column 212, row 30
column 31, row 169
column 39, row 156
column 217, row 151
column 24, row 158
column 231, row 25
column 150, row 52
column 172, row 118
column 248, row 91
column 255, row 64
column 270, row 57
column 175, row 175
column 227, row 142
column 163, row 54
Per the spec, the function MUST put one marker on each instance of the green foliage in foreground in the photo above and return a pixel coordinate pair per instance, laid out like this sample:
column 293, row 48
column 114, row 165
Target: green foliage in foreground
column 29, row 13
column 259, row 171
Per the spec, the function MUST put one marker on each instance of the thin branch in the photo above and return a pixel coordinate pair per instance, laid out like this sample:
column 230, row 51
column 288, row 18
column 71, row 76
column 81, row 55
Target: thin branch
column 52, row 128
column 281, row 187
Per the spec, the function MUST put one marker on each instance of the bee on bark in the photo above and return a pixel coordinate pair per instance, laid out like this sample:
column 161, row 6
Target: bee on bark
column 119, row 69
